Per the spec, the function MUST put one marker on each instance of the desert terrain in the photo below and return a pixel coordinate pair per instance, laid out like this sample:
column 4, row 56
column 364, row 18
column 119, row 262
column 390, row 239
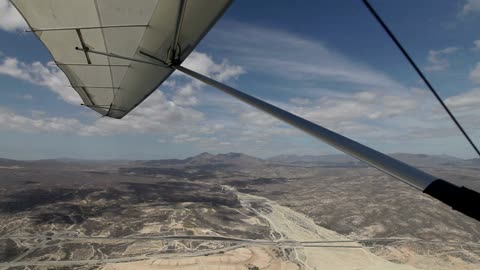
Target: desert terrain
column 231, row 211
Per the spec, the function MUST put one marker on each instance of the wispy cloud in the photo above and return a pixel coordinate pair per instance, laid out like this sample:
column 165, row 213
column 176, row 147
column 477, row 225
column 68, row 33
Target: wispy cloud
column 437, row 59
column 293, row 57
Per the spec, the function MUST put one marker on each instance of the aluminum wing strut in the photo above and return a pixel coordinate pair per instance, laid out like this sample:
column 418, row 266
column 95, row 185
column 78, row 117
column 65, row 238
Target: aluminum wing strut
column 461, row 199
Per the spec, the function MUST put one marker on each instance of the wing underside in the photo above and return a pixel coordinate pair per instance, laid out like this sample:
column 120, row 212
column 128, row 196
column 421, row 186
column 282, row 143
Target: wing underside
column 109, row 85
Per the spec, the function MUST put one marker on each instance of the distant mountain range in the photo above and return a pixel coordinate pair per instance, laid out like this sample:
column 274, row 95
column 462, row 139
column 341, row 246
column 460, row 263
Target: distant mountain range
column 207, row 159
column 243, row 160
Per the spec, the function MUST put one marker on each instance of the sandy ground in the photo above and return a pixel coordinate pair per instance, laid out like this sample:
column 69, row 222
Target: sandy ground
column 443, row 262
column 241, row 258
column 285, row 224
column 295, row 226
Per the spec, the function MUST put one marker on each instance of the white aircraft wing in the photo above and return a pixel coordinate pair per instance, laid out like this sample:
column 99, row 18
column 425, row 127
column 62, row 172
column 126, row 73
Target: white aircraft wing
column 113, row 86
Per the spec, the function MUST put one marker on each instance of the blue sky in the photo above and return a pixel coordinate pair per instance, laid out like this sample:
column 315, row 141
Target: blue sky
column 328, row 61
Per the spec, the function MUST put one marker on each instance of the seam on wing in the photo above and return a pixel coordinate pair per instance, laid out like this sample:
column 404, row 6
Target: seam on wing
column 114, row 91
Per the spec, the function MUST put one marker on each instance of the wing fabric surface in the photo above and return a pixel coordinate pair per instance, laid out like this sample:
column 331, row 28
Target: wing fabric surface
column 109, row 85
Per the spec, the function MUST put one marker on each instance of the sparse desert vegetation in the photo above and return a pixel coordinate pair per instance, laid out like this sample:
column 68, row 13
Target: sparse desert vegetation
column 156, row 214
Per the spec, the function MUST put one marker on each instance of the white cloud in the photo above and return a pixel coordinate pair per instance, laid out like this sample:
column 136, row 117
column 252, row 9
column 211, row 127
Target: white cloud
column 37, row 73
column 157, row 114
column 55, row 80
column 476, row 45
column 349, row 114
column 470, row 7
column 475, row 74
column 36, row 123
column 176, row 115
column 203, row 64
column 353, row 113
column 10, row 18
column 10, row 67
column 336, row 111
column 185, row 94
column 437, row 60
column 468, row 100
column 393, row 118
column 252, row 116
column 466, row 107
column 376, row 106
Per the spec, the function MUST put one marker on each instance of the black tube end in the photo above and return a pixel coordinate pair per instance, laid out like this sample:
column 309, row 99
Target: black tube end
column 461, row 199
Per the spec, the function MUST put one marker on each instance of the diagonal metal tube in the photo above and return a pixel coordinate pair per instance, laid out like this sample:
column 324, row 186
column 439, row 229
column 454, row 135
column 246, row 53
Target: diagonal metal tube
column 385, row 163
column 86, row 28
column 461, row 199
column 120, row 57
